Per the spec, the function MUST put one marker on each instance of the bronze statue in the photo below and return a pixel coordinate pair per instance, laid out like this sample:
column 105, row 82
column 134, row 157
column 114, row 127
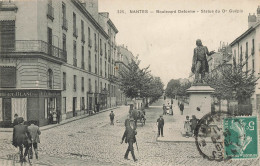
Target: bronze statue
column 199, row 61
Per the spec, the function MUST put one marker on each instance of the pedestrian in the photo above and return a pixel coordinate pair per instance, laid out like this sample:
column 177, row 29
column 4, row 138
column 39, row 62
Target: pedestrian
column 187, row 127
column 15, row 122
column 135, row 116
column 164, row 109
column 181, row 108
column 160, row 124
column 58, row 116
column 21, row 138
column 129, row 137
column 194, row 122
column 34, row 131
column 111, row 115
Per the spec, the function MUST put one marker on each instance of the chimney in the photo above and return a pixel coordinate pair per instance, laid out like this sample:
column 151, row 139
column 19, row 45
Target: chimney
column 251, row 20
column 92, row 7
column 258, row 13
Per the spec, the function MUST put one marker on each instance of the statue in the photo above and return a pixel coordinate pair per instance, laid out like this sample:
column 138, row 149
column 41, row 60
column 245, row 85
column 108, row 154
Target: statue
column 199, row 61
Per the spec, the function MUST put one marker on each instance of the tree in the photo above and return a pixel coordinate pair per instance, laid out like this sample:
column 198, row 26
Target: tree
column 136, row 82
column 172, row 88
column 233, row 82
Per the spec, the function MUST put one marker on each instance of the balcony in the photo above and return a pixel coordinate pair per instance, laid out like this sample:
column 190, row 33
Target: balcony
column 75, row 32
column 89, row 42
column 50, row 12
column 83, row 38
column 64, row 24
column 75, row 62
column 34, row 46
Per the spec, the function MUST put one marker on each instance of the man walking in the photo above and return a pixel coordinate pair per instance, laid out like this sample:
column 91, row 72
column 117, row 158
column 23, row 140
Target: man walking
column 160, row 124
column 111, row 115
column 164, row 109
column 21, row 138
column 129, row 137
column 34, row 132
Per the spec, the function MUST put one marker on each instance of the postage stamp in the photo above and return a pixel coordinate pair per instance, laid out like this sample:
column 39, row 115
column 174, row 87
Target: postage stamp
column 240, row 137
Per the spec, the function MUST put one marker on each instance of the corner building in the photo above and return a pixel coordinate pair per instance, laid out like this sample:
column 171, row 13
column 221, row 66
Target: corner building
column 55, row 57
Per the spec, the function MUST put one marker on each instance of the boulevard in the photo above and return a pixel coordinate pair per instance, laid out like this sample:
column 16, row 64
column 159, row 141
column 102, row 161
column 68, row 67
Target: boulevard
column 93, row 141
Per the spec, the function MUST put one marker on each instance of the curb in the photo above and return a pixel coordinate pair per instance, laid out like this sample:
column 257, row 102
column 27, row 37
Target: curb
column 47, row 127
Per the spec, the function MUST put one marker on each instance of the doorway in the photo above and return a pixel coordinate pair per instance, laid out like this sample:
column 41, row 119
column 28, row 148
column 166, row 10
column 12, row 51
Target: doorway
column 74, row 106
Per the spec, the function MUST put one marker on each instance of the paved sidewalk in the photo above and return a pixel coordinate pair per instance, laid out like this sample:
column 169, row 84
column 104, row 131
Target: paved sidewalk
column 174, row 126
column 62, row 122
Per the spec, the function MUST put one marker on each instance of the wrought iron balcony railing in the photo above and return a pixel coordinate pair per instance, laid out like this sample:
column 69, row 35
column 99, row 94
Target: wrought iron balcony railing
column 50, row 12
column 26, row 46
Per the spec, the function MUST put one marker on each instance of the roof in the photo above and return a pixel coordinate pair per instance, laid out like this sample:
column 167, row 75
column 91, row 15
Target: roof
column 112, row 25
column 251, row 29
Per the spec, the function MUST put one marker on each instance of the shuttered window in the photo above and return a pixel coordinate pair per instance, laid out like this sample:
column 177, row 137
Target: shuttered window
column 7, row 35
column 7, row 77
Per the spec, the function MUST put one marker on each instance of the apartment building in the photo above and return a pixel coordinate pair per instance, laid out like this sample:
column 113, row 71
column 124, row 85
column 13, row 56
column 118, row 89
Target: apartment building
column 247, row 46
column 55, row 58
column 123, row 58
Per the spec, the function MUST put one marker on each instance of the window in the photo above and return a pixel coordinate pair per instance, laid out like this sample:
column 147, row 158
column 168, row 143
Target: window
column 82, row 58
column 95, row 37
column 96, row 86
column 95, row 63
column 75, row 30
column 74, row 53
column 82, row 103
column 7, row 35
column 105, row 69
column 89, row 85
column 7, row 77
column 241, row 54
column 64, row 104
column 105, row 50
column 253, row 47
column 74, row 83
column 64, row 42
column 100, row 66
column 50, row 11
column 105, row 85
column 100, row 47
column 100, row 86
column 64, row 20
column 50, row 79
column 89, row 61
column 64, row 81
column 82, row 32
column 82, row 84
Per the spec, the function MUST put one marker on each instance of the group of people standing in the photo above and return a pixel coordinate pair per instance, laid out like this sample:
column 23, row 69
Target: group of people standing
column 190, row 125
column 25, row 136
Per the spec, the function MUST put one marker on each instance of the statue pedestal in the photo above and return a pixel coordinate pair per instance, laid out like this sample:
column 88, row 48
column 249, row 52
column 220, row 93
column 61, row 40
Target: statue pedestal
column 200, row 97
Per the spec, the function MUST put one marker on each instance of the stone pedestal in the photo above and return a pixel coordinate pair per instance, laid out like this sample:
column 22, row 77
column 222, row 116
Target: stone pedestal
column 200, row 97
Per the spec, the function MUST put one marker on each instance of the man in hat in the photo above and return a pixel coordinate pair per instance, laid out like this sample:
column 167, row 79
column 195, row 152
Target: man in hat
column 199, row 61
column 21, row 138
column 160, row 124
column 129, row 137
column 15, row 120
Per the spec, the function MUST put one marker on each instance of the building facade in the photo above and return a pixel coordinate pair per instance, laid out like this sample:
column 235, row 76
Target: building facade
column 247, row 46
column 123, row 59
column 57, row 57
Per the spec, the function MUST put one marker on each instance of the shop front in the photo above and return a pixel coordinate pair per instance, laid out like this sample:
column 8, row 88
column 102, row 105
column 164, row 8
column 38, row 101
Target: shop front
column 41, row 105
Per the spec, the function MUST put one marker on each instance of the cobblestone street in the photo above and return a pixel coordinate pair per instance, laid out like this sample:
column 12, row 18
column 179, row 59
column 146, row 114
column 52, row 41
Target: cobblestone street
column 93, row 141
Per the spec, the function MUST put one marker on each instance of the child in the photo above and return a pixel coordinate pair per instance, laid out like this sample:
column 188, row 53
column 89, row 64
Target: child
column 193, row 122
column 187, row 127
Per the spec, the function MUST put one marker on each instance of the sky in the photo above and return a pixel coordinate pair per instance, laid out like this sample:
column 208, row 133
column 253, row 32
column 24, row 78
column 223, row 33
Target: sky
column 166, row 41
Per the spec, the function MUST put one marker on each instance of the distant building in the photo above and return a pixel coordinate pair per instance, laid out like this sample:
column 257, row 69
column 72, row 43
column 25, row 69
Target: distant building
column 123, row 58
